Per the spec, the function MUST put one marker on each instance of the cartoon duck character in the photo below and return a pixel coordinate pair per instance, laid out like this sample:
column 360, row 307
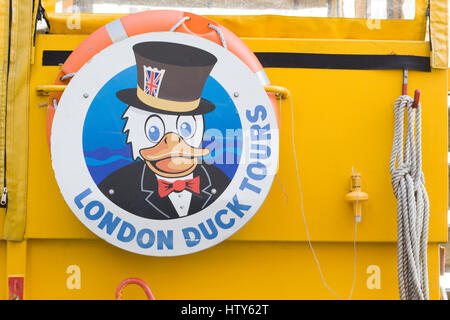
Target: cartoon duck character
column 165, row 128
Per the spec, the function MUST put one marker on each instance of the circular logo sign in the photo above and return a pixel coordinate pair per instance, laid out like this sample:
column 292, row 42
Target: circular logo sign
column 164, row 144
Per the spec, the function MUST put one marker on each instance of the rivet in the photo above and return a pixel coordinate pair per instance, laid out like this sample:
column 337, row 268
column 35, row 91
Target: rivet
column 236, row 94
column 111, row 191
column 181, row 207
column 213, row 191
column 85, row 95
column 277, row 94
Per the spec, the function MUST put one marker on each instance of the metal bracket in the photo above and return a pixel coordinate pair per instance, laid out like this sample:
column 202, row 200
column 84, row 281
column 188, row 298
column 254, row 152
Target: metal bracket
column 45, row 90
column 15, row 285
column 279, row 91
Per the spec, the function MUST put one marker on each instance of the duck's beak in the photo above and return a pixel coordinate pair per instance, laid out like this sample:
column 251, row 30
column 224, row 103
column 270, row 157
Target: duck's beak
column 172, row 156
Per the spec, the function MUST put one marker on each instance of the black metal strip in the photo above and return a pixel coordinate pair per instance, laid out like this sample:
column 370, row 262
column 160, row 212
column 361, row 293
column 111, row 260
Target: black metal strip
column 54, row 57
column 306, row 60
column 342, row 61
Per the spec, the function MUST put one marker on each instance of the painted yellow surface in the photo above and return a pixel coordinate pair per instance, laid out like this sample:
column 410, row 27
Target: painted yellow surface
column 343, row 119
column 273, row 26
column 3, row 278
column 16, row 258
column 230, row 270
column 15, row 262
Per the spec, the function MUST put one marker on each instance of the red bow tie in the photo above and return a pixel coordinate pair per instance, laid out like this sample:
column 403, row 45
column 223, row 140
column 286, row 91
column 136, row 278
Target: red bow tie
column 165, row 187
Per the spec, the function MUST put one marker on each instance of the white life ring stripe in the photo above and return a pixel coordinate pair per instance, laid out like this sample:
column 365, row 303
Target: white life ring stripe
column 262, row 76
column 116, row 30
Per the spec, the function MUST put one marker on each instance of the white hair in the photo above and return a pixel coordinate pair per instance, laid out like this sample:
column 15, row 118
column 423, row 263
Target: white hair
column 136, row 138
column 135, row 129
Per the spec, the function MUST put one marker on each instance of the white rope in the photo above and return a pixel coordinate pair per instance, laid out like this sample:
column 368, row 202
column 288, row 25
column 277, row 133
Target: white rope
column 279, row 181
column 413, row 207
column 354, row 172
column 179, row 23
column 354, row 256
column 282, row 190
column 219, row 32
column 67, row 76
column 303, row 213
column 211, row 26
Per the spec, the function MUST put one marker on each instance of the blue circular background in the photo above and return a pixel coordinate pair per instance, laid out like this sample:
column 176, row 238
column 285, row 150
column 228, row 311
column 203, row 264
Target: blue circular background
column 104, row 145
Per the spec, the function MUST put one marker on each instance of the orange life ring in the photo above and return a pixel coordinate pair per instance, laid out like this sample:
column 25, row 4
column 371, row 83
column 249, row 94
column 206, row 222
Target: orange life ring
column 154, row 21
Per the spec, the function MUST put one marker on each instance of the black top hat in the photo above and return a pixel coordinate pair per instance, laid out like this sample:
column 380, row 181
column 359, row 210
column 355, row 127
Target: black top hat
column 170, row 78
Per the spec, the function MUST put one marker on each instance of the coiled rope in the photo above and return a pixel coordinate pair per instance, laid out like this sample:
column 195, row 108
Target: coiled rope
column 413, row 207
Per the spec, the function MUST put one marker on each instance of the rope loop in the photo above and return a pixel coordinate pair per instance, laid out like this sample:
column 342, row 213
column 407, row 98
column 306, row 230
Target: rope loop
column 219, row 32
column 179, row 23
column 408, row 184
column 211, row 26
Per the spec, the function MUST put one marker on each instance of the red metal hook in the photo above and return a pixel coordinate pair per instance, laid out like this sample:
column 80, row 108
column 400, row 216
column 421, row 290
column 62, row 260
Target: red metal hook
column 405, row 89
column 416, row 99
column 15, row 285
column 137, row 281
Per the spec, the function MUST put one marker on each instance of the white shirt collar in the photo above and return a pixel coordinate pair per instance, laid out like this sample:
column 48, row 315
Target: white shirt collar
column 189, row 176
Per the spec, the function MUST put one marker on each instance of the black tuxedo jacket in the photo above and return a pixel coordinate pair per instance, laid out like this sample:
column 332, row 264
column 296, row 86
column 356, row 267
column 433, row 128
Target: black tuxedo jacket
column 135, row 189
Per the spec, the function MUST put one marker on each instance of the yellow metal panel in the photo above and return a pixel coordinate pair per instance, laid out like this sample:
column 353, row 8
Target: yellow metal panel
column 49, row 5
column 16, row 261
column 343, row 118
column 231, row 270
column 271, row 26
column 43, row 217
column 416, row 48
column 2, row 218
column 16, row 258
column 3, row 277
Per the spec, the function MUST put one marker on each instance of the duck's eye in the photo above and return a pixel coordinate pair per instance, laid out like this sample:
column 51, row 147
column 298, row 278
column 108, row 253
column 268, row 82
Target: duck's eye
column 154, row 128
column 186, row 126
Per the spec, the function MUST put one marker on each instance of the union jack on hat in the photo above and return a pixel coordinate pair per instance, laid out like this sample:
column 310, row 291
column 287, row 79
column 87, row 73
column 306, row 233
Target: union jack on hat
column 170, row 78
column 152, row 80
